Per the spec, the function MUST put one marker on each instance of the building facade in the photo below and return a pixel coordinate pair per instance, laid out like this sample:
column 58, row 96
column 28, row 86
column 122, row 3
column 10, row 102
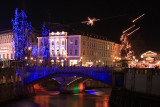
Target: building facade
column 6, row 51
column 149, row 59
column 79, row 50
column 6, row 45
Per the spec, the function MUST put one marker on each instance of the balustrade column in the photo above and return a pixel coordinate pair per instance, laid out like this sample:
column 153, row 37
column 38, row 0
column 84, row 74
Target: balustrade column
column 133, row 79
column 113, row 79
column 149, row 81
column 125, row 77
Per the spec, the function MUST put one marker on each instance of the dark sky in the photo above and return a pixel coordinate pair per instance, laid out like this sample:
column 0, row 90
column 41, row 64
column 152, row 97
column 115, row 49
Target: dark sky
column 115, row 15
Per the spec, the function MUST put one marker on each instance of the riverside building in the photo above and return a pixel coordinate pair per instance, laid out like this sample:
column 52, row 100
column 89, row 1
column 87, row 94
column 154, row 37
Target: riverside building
column 79, row 50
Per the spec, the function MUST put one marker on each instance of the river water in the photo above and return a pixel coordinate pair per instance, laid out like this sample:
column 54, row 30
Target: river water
column 90, row 98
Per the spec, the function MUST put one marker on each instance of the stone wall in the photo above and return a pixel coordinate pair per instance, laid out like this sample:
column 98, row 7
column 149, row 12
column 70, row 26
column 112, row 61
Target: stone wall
column 145, row 81
column 12, row 87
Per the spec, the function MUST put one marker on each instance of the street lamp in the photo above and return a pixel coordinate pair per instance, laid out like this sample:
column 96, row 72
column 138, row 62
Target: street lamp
column 141, row 56
column 26, row 58
column 29, row 48
column 40, row 60
column 81, row 60
column 31, row 58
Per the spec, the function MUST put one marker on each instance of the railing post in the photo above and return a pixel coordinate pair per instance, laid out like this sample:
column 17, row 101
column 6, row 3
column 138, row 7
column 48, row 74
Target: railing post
column 113, row 79
column 125, row 76
column 54, row 69
column 81, row 69
column 149, row 81
column 133, row 79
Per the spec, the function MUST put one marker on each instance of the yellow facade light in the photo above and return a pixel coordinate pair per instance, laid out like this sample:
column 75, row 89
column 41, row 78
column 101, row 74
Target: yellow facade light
column 31, row 58
column 26, row 58
column 52, row 60
column 40, row 60
column 29, row 48
column 141, row 56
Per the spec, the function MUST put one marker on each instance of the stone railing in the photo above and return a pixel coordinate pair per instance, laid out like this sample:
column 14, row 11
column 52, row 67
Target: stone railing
column 103, row 74
column 142, row 80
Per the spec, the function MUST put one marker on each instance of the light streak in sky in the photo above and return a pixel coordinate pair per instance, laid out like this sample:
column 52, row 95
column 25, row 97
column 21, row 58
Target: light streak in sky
column 133, row 31
column 138, row 18
column 128, row 29
column 90, row 21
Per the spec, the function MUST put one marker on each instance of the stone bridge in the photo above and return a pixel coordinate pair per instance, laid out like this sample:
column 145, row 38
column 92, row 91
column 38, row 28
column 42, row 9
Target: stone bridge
column 36, row 74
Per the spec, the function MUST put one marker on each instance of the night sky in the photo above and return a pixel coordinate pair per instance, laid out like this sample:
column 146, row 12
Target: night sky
column 115, row 16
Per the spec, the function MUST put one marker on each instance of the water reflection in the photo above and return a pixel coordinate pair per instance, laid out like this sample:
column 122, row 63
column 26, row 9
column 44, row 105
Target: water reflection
column 55, row 99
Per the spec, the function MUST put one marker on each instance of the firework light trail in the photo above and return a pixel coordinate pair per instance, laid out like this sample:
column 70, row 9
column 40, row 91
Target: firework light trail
column 128, row 29
column 133, row 21
column 133, row 31
column 90, row 21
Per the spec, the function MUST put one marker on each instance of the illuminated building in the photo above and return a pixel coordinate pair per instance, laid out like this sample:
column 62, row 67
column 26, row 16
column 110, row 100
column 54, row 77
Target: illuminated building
column 80, row 50
column 6, row 51
column 149, row 59
column 6, row 43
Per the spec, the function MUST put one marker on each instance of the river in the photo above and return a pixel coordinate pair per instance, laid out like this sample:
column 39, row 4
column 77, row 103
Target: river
column 90, row 98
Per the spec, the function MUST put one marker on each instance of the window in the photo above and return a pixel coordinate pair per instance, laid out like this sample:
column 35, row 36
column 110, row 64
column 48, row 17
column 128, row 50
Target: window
column 76, row 52
column 7, row 56
column 83, row 42
column 53, row 52
column 52, row 42
column 4, row 56
column 83, row 52
column 58, row 52
column 62, row 42
column 63, row 52
column 11, row 56
column 57, row 42
column 70, row 52
column 71, row 42
column 108, row 47
column 76, row 42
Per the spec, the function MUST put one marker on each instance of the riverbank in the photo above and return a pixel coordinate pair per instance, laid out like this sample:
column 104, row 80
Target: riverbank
column 124, row 98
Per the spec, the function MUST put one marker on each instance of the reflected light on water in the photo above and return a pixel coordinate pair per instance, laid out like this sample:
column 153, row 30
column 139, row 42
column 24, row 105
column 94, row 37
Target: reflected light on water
column 42, row 100
column 103, row 102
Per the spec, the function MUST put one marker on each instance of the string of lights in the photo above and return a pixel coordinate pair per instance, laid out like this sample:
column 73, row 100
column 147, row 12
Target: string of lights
column 22, row 30
column 126, row 46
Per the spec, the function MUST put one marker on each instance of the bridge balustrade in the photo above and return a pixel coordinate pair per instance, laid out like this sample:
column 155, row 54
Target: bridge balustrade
column 36, row 73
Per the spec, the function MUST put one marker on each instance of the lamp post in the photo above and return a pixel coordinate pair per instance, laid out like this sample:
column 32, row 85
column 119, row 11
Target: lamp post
column 57, row 61
column 65, row 62
column 81, row 61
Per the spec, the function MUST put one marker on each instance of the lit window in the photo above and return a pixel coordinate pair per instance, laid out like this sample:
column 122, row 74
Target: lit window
column 71, row 42
column 52, row 42
column 62, row 42
column 11, row 56
column 7, row 56
column 4, row 56
column 58, row 52
column 57, row 42
column 53, row 52
column 108, row 47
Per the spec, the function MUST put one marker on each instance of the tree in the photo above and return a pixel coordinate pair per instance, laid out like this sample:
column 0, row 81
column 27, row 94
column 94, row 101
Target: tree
column 45, row 41
column 21, row 37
